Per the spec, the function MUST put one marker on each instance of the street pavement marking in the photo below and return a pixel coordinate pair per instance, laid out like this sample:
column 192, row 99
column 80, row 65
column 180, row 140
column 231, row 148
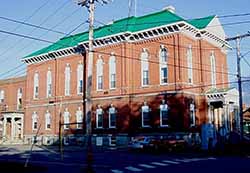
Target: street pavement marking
column 211, row 158
column 131, row 168
column 146, row 166
column 169, row 161
column 183, row 160
column 116, row 171
column 159, row 164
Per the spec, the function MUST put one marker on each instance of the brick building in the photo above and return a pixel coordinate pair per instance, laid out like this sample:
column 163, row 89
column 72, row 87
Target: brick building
column 157, row 73
column 12, row 94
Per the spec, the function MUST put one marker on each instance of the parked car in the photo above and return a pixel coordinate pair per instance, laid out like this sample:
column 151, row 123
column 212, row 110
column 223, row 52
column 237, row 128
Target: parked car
column 158, row 143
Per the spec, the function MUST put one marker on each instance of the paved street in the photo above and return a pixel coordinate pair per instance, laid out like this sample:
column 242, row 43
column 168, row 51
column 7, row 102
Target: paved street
column 119, row 161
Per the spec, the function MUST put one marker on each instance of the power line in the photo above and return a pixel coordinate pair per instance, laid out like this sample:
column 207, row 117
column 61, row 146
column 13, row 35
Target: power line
column 45, row 20
column 31, row 25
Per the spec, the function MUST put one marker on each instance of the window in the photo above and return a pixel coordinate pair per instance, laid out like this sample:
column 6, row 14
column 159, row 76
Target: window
column 80, row 79
column 79, row 119
column 67, row 80
column 36, row 85
column 145, row 115
column 190, row 64
column 99, row 73
column 47, row 120
column 1, row 96
column 19, row 98
column 144, row 68
column 192, row 115
column 213, row 69
column 49, row 84
column 112, row 117
column 99, row 117
column 164, row 114
column 112, row 72
column 163, row 66
column 66, row 117
column 34, row 121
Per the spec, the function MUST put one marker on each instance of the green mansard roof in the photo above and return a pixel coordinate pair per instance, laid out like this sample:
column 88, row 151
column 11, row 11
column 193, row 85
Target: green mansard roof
column 131, row 24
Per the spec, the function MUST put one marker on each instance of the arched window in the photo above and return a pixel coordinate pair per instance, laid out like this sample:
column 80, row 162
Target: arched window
column 145, row 111
column 19, row 98
column 192, row 114
column 213, row 69
column 36, row 85
column 164, row 114
column 1, row 96
column 190, row 64
column 112, row 117
column 49, row 84
column 34, row 121
column 112, row 72
column 79, row 79
column 99, row 117
column 66, row 119
column 163, row 58
column 99, row 74
column 47, row 120
column 67, row 80
column 79, row 118
column 144, row 68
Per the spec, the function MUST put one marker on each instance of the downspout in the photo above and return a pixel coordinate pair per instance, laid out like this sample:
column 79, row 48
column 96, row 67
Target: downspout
column 174, row 64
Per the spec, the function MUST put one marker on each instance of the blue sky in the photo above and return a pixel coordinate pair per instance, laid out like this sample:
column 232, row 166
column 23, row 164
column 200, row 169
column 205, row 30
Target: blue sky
column 65, row 15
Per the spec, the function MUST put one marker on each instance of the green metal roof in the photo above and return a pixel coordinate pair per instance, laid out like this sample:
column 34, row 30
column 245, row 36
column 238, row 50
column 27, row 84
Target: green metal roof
column 218, row 90
column 201, row 22
column 131, row 24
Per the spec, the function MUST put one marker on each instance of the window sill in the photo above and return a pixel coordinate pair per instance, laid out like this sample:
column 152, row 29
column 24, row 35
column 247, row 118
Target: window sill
column 164, row 126
column 145, row 86
column 112, row 127
column 163, row 84
column 146, row 127
column 112, row 89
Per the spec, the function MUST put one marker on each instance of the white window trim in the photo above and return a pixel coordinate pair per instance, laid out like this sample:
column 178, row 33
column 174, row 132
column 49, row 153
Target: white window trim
column 79, row 78
column 99, row 111
column 67, row 80
column 114, row 111
column 163, row 65
column 112, row 61
column 49, row 82
column 144, row 62
column 36, row 84
column 34, row 116
column 99, row 62
column 213, row 69
column 192, row 109
column 2, row 96
column 144, row 108
column 19, row 96
column 47, row 116
column 64, row 115
column 79, row 113
column 163, row 107
column 190, row 64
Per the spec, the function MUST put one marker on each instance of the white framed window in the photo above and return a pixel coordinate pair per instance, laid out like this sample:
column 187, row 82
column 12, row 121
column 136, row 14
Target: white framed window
column 19, row 98
column 79, row 79
column 99, row 117
column 163, row 58
column 112, row 72
column 192, row 114
column 145, row 112
column 79, row 119
column 190, row 64
column 1, row 96
column 36, row 85
column 47, row 120
column 99, row 74
column 164, row 114
column 144, row 68
column 49, row 84
column 66, row 119
column 34, row 121
column 213, row 69
column 67, row 80
column 112, row 116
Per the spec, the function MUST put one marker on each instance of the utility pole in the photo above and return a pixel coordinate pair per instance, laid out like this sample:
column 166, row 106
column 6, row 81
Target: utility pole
column 90, row 4
column 238, row 38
